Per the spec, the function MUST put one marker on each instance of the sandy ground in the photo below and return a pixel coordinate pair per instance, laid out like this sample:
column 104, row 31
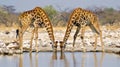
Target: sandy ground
column 111, row 38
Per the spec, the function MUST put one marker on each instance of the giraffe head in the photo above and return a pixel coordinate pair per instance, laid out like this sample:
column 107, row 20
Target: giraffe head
column 62, row 45
column 55, row 46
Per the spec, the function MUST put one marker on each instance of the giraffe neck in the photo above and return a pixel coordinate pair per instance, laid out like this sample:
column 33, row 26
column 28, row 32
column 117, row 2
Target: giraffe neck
column 69, row 26
column 68, row 31
column 48, row 25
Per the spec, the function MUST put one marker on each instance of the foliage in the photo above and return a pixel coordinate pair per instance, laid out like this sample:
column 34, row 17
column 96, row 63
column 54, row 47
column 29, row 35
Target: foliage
column 8, row 17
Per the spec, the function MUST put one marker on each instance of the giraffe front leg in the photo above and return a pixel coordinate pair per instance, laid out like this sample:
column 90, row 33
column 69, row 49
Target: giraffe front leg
column 102, row 41
column 21, row 32
column 95, row 45
column 36, row 38
column 75, row 36
column 82, row 37
column 31, row 40
column 21, row 41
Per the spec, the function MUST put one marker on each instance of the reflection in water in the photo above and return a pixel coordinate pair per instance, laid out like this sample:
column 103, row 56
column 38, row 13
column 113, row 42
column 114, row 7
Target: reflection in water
column 21, row 60
column 95, row 59
column 36, row 60
column 74, row 61
column 54, row 55
column 63, row 59
column 53, row 60
column 83, row 60
column 60, row 59
column 31, row 60
column 101, row 59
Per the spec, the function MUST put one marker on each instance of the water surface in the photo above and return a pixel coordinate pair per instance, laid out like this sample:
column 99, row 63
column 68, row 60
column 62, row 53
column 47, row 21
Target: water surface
column 67, row 59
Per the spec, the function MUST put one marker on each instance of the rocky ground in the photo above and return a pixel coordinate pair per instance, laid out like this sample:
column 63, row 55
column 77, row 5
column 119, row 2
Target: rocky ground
column 111, row 39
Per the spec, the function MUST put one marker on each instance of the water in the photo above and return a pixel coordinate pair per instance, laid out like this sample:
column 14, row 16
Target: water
column 67, row 59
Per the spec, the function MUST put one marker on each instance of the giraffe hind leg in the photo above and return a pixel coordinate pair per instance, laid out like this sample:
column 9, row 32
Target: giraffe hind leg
column 96, row 33
column 95, row 45
column 75, row 36
column 97, row 30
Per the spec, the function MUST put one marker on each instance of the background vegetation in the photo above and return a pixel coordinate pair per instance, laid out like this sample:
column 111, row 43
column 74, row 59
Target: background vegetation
column 107, row 16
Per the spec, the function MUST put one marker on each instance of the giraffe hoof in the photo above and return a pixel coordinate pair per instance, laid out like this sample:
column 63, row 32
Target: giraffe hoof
column 94, row 50
column 84, row 49
column 37, row 51
column 103, row 50
column 72, row 49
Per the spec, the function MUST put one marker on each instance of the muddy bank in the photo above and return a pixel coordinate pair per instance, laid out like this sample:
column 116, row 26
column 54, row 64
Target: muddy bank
column 111, row 39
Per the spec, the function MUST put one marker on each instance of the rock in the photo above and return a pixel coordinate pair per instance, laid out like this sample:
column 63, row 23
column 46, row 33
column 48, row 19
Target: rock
column 11, row 52
column 13, row 45
column 18, row 51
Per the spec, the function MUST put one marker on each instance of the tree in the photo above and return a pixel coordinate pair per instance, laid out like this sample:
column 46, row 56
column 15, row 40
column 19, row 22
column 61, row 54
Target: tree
column 52, row 13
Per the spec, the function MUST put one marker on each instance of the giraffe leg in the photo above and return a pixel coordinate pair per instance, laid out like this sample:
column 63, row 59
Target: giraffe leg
column 101, row 41
column 20, row 41
column 36, row 38
column 82, row 37
column 21, row 32
column 95, row 45
column 75, row 36
column 32, row 40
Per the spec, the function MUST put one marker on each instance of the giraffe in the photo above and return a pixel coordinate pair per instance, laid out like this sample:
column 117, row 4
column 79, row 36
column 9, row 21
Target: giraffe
column 82, row 18
column 36, row 16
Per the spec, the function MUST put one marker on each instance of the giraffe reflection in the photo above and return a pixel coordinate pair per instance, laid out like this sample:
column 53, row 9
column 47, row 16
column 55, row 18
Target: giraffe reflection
column 53, row 60
column 31, row 60
column 84, row 57
column 63, row 60
column 101, row 59
column 82, row 60
column 20, row 60
column 31, row 63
